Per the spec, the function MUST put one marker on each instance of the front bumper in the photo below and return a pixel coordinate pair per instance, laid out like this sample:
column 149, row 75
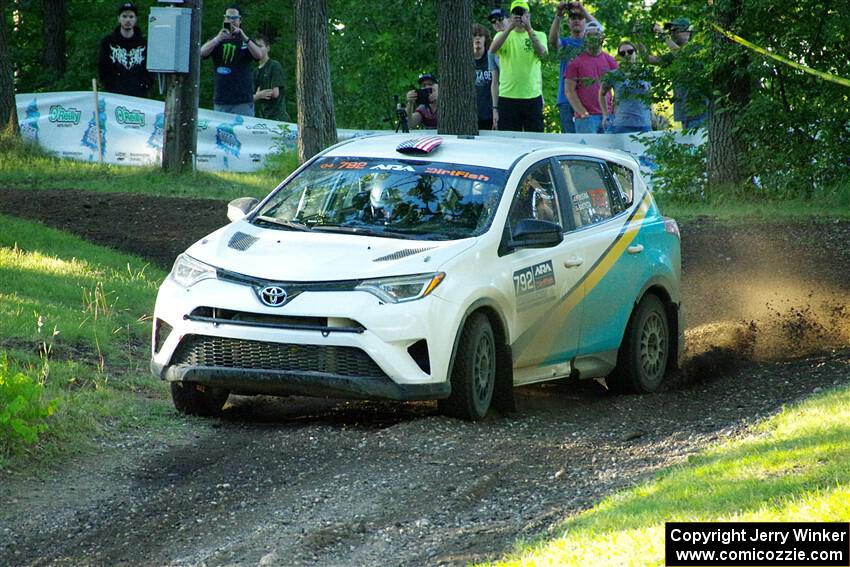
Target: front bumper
column 372, row 360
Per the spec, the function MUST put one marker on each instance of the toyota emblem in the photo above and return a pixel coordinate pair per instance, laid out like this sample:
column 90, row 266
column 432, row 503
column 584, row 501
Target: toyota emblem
column 273, row 295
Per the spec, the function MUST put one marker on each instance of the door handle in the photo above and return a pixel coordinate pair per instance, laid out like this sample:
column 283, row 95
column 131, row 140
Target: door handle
column 573, row 262
column 636, row 249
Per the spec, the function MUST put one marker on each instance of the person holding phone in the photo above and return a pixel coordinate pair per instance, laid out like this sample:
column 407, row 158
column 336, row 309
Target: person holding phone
column 233, row 52
column 521, row 50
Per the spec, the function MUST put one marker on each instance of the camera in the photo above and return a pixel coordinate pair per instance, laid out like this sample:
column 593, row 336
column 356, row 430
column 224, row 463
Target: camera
column 423, row 96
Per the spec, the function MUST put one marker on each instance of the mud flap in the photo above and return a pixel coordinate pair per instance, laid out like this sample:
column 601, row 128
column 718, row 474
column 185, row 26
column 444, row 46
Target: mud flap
column 503, row 392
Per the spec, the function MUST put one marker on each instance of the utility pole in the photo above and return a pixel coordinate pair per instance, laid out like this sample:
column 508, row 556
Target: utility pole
column 180, row 137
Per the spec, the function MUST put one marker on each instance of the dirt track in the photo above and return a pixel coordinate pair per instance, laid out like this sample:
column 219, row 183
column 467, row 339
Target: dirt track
column 319, row 482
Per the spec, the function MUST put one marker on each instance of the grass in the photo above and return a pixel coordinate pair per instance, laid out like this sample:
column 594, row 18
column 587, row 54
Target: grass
column 24, row 166
column 76, row 318
column 791, row 467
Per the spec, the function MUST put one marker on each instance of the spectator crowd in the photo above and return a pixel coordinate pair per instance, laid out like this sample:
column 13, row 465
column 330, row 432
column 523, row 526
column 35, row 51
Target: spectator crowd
column 598, row 92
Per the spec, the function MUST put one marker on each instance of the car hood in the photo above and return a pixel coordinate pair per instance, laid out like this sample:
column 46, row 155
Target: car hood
column 320, row 256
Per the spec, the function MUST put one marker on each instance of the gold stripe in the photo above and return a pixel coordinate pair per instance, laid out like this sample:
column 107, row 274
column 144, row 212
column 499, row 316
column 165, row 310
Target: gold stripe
column 541, row 337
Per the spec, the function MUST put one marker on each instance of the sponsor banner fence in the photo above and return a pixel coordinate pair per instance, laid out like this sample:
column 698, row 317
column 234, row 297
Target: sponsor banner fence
column 131, row 132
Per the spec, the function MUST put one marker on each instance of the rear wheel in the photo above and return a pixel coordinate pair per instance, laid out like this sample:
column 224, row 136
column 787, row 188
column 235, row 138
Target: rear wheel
column 196, row 399
column 645, row 351
column 474, row 373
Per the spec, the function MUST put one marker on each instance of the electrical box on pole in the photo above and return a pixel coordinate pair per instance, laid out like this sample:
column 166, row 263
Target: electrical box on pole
column 169, row 40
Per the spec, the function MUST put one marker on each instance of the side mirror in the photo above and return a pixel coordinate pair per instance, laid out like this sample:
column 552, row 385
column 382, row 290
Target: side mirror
column 238, row 208
column 533, row 233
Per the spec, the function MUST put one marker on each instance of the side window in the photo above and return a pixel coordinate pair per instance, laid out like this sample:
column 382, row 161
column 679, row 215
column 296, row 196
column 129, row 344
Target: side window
column 590, row 201
column 625, row 178
column 536, row 197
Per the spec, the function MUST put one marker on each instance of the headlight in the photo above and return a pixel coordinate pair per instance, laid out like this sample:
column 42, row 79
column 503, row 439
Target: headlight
column 400, row 289
column 187, row 271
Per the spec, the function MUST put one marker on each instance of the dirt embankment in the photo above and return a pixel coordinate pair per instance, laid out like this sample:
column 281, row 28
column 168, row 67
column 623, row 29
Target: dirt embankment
column 296, row 481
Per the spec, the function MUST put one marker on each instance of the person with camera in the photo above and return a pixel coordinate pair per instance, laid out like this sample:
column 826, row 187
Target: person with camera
column 521, row 50
column 569, row 47
column 691, row 113
column 582, row 81
column 122, row 57
column 233, row 52
column 422, row 102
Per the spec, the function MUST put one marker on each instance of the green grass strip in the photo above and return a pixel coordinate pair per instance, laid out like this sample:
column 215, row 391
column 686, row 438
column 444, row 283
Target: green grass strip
column 792, row 467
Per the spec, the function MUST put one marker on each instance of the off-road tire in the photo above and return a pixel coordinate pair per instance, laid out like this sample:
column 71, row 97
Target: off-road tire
column 645, row 352
column 473, row 375
column 196, row 399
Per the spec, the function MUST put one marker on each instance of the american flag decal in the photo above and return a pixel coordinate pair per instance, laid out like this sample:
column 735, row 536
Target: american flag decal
column 420, row 145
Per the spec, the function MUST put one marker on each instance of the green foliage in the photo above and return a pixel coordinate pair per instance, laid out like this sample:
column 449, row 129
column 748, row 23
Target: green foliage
column 23, row 409
column 680, row 174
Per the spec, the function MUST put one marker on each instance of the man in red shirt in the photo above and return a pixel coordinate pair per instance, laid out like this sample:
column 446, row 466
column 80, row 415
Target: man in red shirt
column 582, row 81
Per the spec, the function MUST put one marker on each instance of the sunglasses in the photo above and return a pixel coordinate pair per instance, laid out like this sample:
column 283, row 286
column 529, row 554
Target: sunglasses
column 494, row 19
column 228, row 17
column 626, row 52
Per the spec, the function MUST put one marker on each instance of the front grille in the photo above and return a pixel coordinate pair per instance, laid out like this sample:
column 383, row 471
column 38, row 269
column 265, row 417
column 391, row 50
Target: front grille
column 222, row 352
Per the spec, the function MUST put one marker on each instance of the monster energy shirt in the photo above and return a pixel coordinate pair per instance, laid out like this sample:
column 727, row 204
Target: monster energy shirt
column 234, row 77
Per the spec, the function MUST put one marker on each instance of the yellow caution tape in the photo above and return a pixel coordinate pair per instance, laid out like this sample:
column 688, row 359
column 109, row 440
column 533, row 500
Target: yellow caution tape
column 826, row 76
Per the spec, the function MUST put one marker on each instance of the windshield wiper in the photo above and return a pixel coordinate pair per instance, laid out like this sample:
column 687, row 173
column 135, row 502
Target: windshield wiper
column 364, row 230
column 290, row 225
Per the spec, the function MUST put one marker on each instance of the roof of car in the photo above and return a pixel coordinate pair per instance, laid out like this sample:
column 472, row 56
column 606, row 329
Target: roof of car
column 485, row 151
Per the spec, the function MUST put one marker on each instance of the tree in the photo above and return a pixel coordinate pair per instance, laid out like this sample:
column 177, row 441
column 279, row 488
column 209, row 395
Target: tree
column 53, row 34
column 731, row 83
column 316, row 121
column 8, row 108
column 456, row 105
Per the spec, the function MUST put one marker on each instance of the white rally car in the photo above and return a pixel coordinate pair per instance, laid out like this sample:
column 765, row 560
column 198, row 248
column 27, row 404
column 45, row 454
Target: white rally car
column 428, row 268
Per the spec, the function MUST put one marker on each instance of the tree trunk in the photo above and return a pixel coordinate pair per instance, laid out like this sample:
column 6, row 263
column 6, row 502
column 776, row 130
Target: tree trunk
column 180, row 134
column 53, row 30
column 732, row 80
column 8, row 109
column 456, row 106
column 316, row 121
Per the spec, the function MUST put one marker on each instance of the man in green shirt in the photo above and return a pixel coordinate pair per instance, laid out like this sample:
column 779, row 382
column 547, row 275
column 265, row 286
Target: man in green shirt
column 520, row 50
column 269, row 101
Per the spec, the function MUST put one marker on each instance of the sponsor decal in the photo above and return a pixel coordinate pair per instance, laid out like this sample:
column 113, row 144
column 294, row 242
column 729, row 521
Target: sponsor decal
column 90, row 136
column 456, row 173
column 29, row 127
column 534, row 284
column 392, row 167
column 61, row 115
column 155, row 139
column 134, row 118
column 226, row 138
column 259, row 129
column 203, row 124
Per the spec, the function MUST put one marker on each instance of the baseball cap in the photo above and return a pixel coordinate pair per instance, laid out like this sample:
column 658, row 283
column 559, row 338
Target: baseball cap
column 127, row 6
column 593, row 27
column 680, row 24
column 520, row 4
column 496, row 14
column 427, row 77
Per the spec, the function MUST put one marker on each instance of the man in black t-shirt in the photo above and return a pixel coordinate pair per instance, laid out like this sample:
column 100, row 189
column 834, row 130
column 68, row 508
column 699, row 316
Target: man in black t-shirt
column 483, row 76
column 233, row 52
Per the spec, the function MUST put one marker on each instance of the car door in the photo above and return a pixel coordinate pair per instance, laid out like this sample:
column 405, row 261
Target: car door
column 546, row 322
column 606, row 224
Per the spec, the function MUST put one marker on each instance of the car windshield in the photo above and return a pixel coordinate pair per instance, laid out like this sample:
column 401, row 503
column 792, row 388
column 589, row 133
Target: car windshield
column 386, row 197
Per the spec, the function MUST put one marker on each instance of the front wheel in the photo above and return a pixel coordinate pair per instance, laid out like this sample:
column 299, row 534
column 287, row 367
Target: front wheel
column 474, row 373
column 645, row 351
column 196, row 399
